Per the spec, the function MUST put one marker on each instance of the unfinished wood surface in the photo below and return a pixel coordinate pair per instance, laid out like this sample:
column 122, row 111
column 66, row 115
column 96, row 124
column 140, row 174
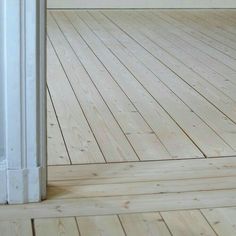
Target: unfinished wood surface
column 174, row 139
column 80, row 141
column 73, row 189
column 129, row 118
column 16, row 228
column 183, row 114
column 57, row 226
column 223, row 221
column 217, row 221
column 151, row 41
column 143, row 85
column 120, row 188
column 144, row 224
column 100, row 226
column 57, row 152
column 144, row 171
column 111, row 138
column 187, row 223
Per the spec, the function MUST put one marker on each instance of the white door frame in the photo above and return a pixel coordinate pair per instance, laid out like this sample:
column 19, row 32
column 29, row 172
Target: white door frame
column 23, row 173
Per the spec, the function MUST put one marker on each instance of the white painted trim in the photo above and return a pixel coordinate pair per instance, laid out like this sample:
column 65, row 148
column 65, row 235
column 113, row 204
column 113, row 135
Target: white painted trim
column 3, row 183
column 25, row 100
column 141, row 4
column 24, row 185
column 3, row 165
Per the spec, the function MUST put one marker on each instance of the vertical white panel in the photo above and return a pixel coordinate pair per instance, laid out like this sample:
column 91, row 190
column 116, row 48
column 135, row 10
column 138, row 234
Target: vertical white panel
column 3, row 196
column 25, row 100
column 1, row 83
column 14, row 84
column 31, row 73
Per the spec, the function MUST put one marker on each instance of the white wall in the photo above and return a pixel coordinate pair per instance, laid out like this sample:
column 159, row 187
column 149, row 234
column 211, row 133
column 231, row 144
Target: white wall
column 141, row 3
column 2, row 139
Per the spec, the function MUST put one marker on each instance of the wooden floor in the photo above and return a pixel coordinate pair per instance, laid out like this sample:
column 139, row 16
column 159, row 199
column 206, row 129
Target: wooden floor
column 141, row 85
column 207, row 222
column 141, row 125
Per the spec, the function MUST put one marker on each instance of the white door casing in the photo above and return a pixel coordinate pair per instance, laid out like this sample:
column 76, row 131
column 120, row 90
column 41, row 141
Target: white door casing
column 24, row 78
column 2, row 131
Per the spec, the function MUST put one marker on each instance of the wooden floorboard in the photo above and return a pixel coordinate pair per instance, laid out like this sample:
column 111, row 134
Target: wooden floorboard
column 210, row 222
column 151, row 40
column 121, row 204
column 161, row 93
column 100, row 225
column 120, row 188
column 150, row 170
column 81, row 143
column 143, row 85
column 141, row 178
column 57, row 150
column 16, row 227
column 181, row 223
column 111, row 138
column 161, row 122
column 124, row 111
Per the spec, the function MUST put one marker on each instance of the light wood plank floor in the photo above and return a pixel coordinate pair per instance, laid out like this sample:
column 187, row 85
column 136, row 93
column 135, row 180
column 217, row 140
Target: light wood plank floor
column 141, row 85
column 141, row 125
column 205, row 222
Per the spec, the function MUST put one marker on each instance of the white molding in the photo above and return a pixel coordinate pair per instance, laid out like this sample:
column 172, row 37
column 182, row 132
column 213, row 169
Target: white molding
column 3, row 166
column 25, row 100
column 3, row 182
column 141, row 4
column 24, row 185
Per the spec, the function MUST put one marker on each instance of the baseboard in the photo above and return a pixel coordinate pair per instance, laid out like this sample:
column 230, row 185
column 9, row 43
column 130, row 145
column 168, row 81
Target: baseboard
column 23, row 185
column 141, row 4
